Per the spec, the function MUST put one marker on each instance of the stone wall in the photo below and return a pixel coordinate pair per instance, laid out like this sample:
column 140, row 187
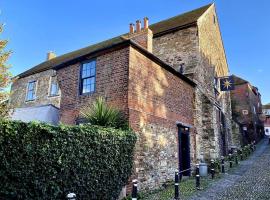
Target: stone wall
column 199, row 49
column 43, row 80
column 157, row 99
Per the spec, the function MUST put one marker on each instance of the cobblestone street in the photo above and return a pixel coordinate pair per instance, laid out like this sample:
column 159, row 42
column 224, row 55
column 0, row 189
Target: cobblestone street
column 251, row 180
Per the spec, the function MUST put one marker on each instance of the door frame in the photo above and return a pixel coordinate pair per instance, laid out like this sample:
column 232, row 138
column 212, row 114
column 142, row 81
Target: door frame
column 180, row 153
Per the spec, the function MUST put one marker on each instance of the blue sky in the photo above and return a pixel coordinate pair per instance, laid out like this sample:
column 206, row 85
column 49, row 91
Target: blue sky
column 35, row 27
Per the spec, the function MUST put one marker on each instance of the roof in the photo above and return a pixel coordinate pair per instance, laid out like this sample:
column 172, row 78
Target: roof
column 267, row 106
column 171, row 24
column 238, row 80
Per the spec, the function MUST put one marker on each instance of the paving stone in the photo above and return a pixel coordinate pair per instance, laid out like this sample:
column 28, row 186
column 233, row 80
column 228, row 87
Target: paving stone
column 249, row 181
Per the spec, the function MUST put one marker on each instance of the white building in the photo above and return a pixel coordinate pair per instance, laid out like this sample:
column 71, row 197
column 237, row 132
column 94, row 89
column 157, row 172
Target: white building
column 266, row 112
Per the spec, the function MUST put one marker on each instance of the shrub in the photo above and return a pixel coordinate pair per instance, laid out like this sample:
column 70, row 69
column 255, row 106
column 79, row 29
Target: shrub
column 99, row 113
column 40, row 161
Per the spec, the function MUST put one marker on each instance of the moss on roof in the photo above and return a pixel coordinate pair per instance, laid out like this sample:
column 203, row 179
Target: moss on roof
column 157, row 28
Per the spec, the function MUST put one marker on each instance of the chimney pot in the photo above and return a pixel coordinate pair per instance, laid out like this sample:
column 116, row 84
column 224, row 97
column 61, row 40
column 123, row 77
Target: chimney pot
column 138, row 26
column 146, row 22
column 50, row 55
column 131, row 28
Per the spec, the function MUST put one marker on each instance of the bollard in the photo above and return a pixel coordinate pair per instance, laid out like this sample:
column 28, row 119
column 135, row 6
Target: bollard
column 71, row 196
column 241, row 154
column 134, row 190
column 212, row 169
column 251, row 147
column 222, row 164
column 230, row 160
column 236, row 158
column 198, row 184
column 176, row 186
column 254, row 145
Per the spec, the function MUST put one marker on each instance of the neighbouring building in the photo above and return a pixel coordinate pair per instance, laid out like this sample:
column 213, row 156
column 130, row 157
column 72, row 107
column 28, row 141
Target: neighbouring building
column 266, row 112
column 163, row 77
column 247, row 110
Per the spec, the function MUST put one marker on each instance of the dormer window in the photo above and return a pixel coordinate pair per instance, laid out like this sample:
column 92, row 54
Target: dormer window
column 88, row 77
column 31, row 91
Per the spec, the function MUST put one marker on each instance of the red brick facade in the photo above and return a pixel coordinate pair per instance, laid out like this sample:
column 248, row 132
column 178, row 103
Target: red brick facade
column 153, row 98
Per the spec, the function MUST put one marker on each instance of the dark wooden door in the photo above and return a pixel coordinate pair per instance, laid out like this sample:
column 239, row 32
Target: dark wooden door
column 184, row 150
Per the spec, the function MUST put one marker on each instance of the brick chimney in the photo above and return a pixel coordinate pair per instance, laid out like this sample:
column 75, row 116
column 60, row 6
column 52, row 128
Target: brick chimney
column 142, row 36
column 50, row 55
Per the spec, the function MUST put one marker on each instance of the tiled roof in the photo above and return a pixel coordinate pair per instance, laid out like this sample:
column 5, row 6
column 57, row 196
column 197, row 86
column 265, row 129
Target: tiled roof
column 157, row 28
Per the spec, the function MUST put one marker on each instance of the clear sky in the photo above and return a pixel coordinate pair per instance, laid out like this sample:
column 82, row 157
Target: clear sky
column 35, row 27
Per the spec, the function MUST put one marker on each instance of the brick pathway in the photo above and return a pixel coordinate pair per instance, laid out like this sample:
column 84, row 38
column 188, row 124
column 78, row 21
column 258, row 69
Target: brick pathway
column 249, row 181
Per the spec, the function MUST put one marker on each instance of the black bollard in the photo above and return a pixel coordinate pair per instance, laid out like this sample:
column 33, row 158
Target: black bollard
column 134, row 190
column 241, row 154
column 254, row 145
column 236, row 158
column 176, row 186
column 230, row 160
column 222, row 165
column 212, row 169
column 198, row 184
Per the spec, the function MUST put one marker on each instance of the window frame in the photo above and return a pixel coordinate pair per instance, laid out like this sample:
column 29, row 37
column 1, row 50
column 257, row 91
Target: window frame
column 50, row 88
column 34, row 90
column 88, row 77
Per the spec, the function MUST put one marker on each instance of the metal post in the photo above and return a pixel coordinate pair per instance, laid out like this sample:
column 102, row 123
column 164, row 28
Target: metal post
column 212, row 169
column 71, row 196
column 241, row 154
column 134, row 190
column 230, row 160
column 198, row 184
column 254, row 145
column 176, row 186
column 222, row 164
column 236, row 158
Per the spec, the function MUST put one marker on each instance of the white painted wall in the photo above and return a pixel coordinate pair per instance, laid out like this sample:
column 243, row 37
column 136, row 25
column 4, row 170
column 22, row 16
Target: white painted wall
column 48, row 114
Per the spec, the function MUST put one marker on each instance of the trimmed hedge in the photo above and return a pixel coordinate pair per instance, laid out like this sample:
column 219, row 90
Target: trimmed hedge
column 40, row 161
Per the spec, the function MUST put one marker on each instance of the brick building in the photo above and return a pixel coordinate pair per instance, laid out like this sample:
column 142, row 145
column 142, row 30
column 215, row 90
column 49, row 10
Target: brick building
column 163, row 77
column 247, row 110
column 266, row 112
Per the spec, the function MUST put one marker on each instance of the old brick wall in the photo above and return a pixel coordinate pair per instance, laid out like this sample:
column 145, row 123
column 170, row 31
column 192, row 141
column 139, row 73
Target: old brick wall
column 111, row 83
column 157, row 99
column 19, row 89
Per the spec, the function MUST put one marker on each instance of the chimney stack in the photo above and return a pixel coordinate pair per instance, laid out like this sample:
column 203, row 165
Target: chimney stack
column 138, row 26
column 50, row 55
column 131, row 28
column 146, row 23
column 142, row 36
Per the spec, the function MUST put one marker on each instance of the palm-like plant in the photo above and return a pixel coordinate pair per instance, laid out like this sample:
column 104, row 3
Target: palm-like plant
column 99, row 113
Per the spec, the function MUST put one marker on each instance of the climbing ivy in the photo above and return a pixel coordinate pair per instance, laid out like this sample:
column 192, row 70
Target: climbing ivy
column 40, row 161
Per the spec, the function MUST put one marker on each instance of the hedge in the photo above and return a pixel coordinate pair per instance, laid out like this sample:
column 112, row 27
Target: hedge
column 40, row 161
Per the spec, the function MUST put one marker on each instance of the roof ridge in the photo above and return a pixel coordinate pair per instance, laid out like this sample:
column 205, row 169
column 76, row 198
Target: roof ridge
column 160, row 27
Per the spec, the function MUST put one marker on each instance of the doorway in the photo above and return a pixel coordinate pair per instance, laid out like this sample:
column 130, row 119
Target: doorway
column 184, row 150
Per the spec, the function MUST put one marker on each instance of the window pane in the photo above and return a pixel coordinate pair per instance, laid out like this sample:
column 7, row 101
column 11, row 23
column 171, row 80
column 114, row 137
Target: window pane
column 31, row 91
column 88, row 77
column 89, row 69
column 54, row 89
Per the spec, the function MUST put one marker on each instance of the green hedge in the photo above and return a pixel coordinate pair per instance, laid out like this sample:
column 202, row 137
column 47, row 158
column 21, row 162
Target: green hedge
column 40, row 161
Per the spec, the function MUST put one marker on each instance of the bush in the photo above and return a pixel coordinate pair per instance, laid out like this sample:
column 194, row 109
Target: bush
column 40, row 161
column 99, row 113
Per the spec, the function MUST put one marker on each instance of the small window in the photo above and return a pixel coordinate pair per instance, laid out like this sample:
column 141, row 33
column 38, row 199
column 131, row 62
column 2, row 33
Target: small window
column 54, row 90
column 88, row 77
column 31, row 91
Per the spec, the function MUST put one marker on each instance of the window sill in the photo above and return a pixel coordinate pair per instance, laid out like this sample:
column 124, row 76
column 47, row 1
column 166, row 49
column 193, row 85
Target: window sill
column 87, row 94
column 26, row 101
column 51, row 96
